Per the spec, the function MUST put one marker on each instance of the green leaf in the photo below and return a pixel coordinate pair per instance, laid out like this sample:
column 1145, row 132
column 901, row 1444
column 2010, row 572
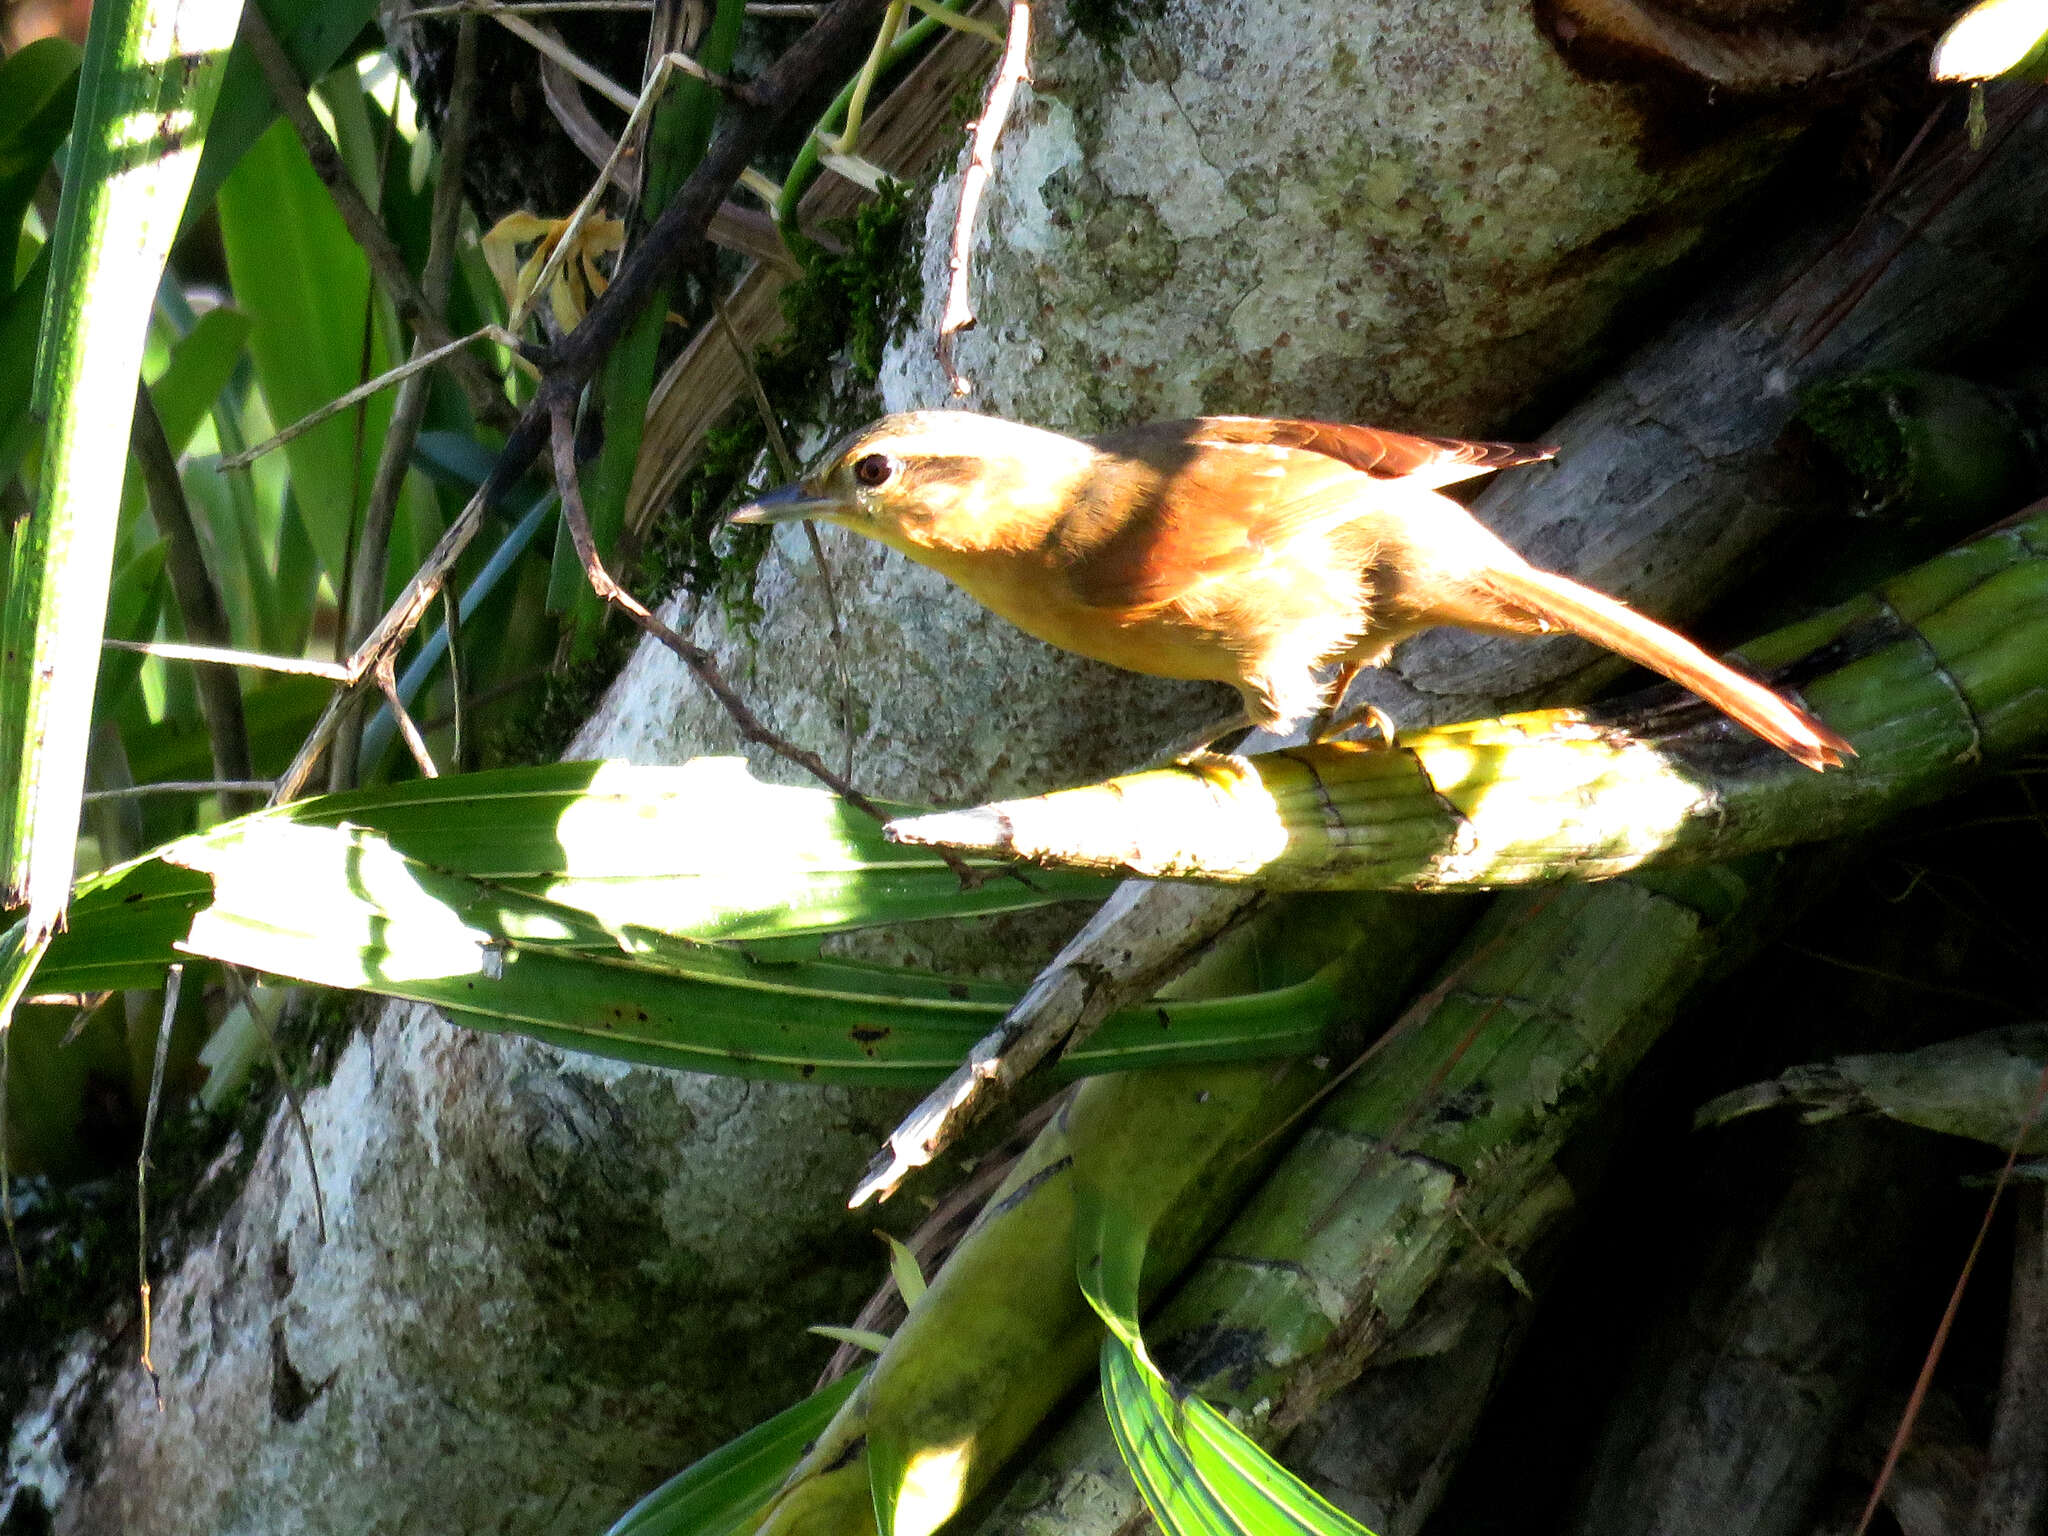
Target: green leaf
column 732, row 1487
column 1995, row 39
column 861, row 1338
column 703, row 850
column 135, row 604
column 315, row 34
column 151, row 72
column 304, row 286
column 568, row 903
column 202, row 362
column 904, row 1270
column 38, row 92
column 1199, row 1473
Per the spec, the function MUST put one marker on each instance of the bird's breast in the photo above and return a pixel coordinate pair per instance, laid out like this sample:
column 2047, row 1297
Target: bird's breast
column 1030, row 591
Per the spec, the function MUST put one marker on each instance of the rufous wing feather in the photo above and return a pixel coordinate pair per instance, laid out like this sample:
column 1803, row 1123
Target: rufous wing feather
column 1374, row 451
column 1163, row 557
column 1557, row 602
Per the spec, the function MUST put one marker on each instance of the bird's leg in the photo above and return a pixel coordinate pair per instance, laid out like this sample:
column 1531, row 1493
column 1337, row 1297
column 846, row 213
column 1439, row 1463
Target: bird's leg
column 1329, row 725
column 1378, row 718
column 1322, row 727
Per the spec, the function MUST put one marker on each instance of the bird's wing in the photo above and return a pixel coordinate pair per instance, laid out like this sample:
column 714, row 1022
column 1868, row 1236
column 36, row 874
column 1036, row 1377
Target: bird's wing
column 1180, row 505
column 1167, row 529
column 1374, row 451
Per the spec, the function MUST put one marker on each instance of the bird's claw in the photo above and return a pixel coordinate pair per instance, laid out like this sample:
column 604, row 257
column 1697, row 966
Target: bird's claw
column 1366, row 714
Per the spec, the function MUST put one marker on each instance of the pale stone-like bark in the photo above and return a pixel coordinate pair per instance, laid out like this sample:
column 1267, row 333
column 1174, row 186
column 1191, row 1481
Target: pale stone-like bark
column 530, row 1305
column 1415, row 215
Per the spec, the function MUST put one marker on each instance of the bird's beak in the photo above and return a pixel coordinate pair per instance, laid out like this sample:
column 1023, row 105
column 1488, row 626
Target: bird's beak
column 784, row 506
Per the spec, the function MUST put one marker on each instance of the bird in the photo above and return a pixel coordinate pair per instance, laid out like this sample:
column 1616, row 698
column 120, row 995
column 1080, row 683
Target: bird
column 1249, row 550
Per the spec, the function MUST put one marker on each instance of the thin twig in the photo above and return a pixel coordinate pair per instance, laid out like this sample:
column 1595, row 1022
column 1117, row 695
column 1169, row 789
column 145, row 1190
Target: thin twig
column 260, row 1020
column 751, row 117
column 415, row 743
column 204, row 615
column 587, row 206
column 184, row 787
column 364, row 596
column 558, row 88
column 490, row 695
column 486, row 396
column 171, row 650
column 117, row 826
column 1903, row 1435
column 451, row 620
column 673, row 237
column 527, row 7
column 359, row 420
column 84, row 1002
column 695, row 657
column 748, row 231
column 174, row 984
column 1868, row 278
column 791, row 470
column 383, row 381
column 391, row 633
column 548, row 44
column 988, row 130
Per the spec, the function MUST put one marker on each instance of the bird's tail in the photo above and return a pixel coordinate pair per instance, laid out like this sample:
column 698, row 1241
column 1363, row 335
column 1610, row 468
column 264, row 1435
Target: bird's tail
column 1557, row 602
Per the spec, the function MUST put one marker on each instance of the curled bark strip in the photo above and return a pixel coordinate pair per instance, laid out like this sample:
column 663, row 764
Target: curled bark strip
column 988, row 129
column 1751, row 55
column 1143, row 936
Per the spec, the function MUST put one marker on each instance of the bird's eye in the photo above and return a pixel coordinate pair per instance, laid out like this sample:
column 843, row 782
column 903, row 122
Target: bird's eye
column 874, row 469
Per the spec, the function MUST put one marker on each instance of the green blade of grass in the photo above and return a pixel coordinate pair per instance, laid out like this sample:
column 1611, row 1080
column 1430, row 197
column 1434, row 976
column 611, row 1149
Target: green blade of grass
column 728, row 1489
column 151, row 73
column 570, row 903
column 1200, row 1475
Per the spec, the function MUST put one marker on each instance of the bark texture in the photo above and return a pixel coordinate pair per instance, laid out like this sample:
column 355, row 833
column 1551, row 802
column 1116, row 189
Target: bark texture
column 523, row 1261
column 1418, row 216
column 1734, row 1407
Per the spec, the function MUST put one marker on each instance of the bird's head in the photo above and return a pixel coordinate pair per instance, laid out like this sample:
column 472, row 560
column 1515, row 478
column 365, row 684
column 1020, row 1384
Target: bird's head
column 937, row 481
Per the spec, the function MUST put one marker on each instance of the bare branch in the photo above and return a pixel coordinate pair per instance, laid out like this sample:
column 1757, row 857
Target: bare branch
column 220, row 655
column 369, row 387
column 174, row 985
column 365, row 595
column 700, row 661
column 673, row 237
column 200, row 607
column 486, row 399
column 988, row 130
column 790, row 471
column 184, row 787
